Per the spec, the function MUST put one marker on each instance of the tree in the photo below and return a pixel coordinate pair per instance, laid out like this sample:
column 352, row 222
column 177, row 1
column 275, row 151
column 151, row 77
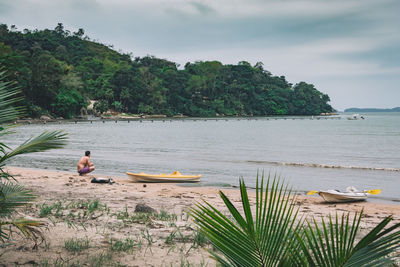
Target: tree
column 117, row 106
column 69, row 101
column 13, row 195
column 47, row 73
column 79, row 33
column 101, row 106
column 308, row 100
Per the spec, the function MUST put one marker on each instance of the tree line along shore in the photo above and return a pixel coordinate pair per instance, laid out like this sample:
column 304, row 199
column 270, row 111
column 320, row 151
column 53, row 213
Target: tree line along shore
column 60, row 71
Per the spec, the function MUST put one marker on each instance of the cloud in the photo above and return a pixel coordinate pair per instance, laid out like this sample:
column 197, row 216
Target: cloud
column 319, row 41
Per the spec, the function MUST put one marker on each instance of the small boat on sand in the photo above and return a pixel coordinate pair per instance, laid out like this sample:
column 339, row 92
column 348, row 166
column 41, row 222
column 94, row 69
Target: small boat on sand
column 338, row 196
column 175, row 177
column 350, row 195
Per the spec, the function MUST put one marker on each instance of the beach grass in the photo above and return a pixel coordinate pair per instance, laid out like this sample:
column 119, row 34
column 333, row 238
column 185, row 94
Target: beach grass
column 77, row 245
column 127, row 244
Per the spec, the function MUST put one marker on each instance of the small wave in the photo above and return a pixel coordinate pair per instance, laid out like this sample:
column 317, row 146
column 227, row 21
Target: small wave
column 316, row 165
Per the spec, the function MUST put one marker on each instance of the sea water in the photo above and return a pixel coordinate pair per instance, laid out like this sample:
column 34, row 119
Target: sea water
column 310, row 153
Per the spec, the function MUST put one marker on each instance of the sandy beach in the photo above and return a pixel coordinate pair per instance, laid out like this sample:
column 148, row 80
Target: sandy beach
column 92, row 224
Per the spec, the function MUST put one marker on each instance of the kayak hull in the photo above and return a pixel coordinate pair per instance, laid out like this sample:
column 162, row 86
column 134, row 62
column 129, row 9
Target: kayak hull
column 163, row 178
column 337, row 196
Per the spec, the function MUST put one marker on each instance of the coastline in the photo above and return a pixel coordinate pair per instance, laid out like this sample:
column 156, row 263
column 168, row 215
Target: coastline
column 163, row 242
column 162, row 117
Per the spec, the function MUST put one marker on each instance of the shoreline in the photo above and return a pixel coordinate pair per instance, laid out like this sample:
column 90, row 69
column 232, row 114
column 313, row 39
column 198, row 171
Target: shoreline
column 165, row 118
column 371, row 199
column 160, row 242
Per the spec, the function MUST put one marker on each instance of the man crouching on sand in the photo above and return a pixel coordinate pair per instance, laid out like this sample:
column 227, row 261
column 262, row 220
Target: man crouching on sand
column 84, row 164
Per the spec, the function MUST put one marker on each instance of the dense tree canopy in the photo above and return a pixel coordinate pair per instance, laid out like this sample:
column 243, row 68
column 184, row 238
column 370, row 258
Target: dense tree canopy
column 60, row 71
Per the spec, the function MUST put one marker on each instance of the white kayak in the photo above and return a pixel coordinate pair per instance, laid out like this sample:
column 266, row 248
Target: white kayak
column 350, row 195
column 175, row 177
column 338, row 196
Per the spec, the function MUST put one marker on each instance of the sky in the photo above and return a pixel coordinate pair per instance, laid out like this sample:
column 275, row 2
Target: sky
column 348, row 49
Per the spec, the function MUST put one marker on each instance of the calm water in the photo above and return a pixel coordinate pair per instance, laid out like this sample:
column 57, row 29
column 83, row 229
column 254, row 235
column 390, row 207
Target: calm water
column 367, row 151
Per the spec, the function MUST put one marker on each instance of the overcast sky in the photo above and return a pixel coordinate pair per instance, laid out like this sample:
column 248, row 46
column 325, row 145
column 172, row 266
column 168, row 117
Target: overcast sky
column 348, row 49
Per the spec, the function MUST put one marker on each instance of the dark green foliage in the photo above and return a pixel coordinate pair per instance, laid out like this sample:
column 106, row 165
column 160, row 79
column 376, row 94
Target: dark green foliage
column 307, row 100
column 68, row 103
column 60, row 71
column 101, row 106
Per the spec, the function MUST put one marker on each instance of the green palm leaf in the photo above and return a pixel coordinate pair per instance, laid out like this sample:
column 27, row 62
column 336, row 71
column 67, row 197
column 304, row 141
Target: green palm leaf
column 13, row 196
column 247, row 240
column 9, row 96
column 43, row 142
column 334, row 244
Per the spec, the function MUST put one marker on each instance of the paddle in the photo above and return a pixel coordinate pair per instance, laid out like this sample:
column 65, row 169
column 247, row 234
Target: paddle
column 372, row 192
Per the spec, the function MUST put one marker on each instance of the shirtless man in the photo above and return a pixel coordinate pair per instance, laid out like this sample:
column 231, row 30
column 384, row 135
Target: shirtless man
column 84, row 164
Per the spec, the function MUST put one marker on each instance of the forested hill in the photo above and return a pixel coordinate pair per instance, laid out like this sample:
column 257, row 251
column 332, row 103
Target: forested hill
column 59, row 71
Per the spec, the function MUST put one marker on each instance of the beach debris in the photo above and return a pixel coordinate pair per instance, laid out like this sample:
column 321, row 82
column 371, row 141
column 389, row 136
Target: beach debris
column 101, row 180
column 144, row 208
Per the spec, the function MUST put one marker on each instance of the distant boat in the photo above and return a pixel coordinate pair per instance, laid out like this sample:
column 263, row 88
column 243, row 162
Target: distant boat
column 175, row 177
column 355, row 117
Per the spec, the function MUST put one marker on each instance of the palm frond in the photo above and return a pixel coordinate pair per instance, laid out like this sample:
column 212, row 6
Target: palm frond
column 4, row 175
column 5, row 130
column 245, row 240
column 9, row 96
column 333, row 243
column 374, row 249
column 29, row 228
column 13, row 196
column 43, row 142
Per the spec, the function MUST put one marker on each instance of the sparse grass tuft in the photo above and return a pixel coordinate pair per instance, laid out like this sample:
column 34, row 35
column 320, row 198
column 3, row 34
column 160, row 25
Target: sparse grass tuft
column 146, row 235
column 76, row 245
column 165, row 216
column 171, row 238
column 103, row 259
column 98, row 260
column 139, row 217
column 124, row 245
column 57, row 263
column 144, row 218
column 45, row 210
column 200, row 239
column 82, row 210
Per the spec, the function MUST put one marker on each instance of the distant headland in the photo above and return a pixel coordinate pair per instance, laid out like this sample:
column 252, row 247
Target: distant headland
column 397, row 109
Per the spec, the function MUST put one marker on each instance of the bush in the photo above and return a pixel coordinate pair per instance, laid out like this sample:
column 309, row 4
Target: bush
column 101, row 106
column 68, row 103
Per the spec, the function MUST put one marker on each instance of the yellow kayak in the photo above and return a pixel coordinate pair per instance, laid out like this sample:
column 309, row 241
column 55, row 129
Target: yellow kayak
column 175, row 177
